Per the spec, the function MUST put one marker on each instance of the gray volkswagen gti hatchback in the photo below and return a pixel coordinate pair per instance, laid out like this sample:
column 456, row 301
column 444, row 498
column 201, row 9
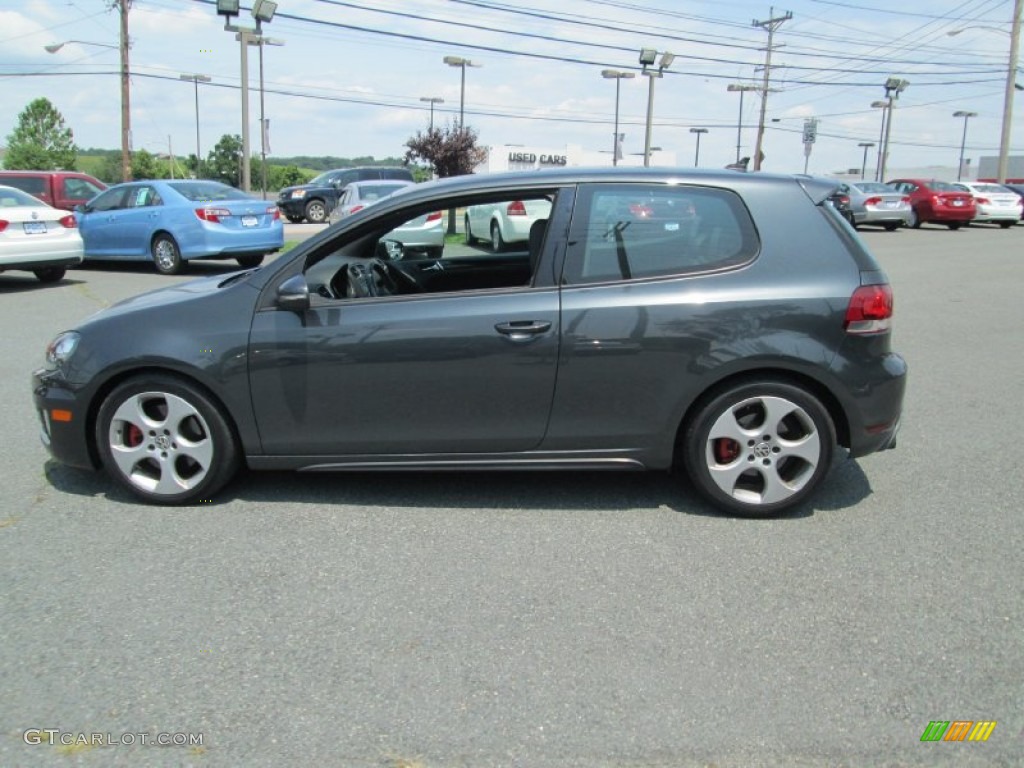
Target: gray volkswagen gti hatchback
column 731, row 326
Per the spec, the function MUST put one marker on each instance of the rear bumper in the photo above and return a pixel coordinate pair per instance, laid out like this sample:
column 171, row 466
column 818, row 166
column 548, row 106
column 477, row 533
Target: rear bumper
column 875, row 411
column 69, row 258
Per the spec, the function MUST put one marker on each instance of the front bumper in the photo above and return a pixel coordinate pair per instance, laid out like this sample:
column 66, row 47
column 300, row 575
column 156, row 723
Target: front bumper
column 292, row 206
column 64, row 419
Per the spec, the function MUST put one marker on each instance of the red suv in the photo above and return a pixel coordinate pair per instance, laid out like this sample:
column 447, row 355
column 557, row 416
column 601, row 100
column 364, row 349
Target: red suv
column 937, row 201
column 60, row 189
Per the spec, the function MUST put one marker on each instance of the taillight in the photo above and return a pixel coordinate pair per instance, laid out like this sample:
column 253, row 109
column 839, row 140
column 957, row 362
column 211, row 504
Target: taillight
column 869, row 310
column 274, row 211
column 983, row 201
column 904, row 199
column 68, row 222
column 213, row 215
column 516, row 208
column 3, row 225
column 873, row 201
column 435, row 216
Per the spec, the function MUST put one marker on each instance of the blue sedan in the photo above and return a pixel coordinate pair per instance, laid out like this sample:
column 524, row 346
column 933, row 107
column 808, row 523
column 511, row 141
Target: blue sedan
column 172, row 222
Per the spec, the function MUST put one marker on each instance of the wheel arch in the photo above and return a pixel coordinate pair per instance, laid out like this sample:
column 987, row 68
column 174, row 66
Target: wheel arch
column 781, row 375
column 120, row 377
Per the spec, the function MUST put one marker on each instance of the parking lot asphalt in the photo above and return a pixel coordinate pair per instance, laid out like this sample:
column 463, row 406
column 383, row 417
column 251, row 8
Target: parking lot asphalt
column 528, row 619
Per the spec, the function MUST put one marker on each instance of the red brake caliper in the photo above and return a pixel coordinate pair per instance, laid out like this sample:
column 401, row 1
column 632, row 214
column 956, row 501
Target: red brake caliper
column 726, row 450
column 133, row 436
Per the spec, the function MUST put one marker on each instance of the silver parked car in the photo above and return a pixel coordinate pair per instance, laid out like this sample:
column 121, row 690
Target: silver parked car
column 995, row 203
column 878, row 204
column 423, row 235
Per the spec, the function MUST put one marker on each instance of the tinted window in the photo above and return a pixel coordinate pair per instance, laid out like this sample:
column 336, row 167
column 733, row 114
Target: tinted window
column 630, row 231
column 396, row 173
column 377, row 191
column 110, row 200
column 143, row 197
column 205, row 191
column 943, row 186
column 32, row 184
column 80, row 189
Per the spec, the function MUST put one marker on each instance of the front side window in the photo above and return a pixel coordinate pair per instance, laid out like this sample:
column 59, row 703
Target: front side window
column 634, row 231
column 110, row 200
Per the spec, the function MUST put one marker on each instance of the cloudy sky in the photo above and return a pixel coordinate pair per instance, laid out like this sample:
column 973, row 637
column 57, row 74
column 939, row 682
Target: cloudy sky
column 350, row 75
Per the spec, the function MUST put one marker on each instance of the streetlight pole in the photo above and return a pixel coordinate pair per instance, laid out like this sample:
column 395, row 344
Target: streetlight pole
column 741, row 88
column 696, row 157
column 617, row 76
column 894, row 86
column 1011, row 81
column 432, row 100
column 963, row 141
column 458, row 61
column 197, row 79
column 884, row 106
column 260, row 40
column 647, row 58
column 864, row 163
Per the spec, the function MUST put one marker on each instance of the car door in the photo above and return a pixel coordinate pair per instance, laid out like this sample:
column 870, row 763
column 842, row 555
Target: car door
column 97, row 223
column 449, row 372
column 137, row 221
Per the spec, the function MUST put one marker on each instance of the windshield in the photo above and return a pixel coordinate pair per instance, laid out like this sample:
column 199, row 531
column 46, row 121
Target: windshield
column 873, row 186
column 207, row 191
column 322, row 179
column 944, row 186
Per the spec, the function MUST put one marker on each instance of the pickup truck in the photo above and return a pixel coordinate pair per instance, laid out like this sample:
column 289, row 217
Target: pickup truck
column 60, row 189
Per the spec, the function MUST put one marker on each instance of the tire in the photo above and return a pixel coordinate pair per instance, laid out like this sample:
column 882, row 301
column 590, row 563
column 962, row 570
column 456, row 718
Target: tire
column 915, row 220
column 892, row 227
column 497, row 241
column 49, row 274
column 435, row 252
column 294, row 219
column 1006, row 224
column 955, row 225
column 166, row 255
column 759, row 449
column 470, row 238
column 164, row 440
column 316, row 212
column 248, row 262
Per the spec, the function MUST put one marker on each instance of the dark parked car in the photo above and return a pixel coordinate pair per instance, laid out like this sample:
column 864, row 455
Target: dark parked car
column 742, row 340
column 315, row 201
column 936, row 201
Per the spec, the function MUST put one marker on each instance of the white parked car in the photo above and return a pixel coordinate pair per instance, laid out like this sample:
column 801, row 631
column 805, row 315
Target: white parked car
column 994, row 203
column 35, row 237
column 504, row 222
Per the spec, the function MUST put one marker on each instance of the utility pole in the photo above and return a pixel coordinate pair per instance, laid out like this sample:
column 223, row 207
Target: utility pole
column 771, row 25
column 126, row 121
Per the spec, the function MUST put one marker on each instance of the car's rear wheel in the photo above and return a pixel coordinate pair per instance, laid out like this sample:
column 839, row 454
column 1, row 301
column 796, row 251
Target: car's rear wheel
column 892, row 226
column 759, row 449
column 1006, row 224
column 248, row 262
column 166, row 255
column 955, row 225
column 471, row 239
column 163, row 439
column 497, row 241
column 316, row 212
column 915, row 220
column 49, row 274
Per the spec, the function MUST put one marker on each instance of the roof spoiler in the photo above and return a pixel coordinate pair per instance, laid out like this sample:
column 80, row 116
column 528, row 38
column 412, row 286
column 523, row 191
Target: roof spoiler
column 817, row 188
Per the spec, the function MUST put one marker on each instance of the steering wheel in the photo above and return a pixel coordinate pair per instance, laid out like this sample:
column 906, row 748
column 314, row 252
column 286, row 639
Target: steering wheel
column 394, row 278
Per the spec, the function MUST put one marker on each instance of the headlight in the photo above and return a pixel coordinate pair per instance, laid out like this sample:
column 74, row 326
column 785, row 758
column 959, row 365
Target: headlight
column 298, row 193
column 60, row 350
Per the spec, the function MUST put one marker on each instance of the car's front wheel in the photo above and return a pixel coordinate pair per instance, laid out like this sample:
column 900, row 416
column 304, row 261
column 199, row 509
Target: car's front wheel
column 49, row 274
column 758, row 449
column 316, row 212
column 166, row 255
column 163, row 439
column 248, row 262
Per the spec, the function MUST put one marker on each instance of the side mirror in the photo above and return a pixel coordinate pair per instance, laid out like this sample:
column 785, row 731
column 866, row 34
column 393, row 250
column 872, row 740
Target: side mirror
column 81, row 208
column 293, row 294
column 390, row 250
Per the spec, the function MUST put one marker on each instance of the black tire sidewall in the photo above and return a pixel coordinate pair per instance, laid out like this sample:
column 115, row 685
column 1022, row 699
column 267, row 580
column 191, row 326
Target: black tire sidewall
column 696, row 436
column 225, row 449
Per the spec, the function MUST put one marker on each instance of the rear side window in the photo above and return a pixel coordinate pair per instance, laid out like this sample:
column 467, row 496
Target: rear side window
column 34, row 185
column 634, row 231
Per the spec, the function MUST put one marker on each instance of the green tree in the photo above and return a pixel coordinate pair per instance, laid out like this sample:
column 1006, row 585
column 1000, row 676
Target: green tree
column 279, row 176
column 145, row 166
column 224, row 163
column 41, row 141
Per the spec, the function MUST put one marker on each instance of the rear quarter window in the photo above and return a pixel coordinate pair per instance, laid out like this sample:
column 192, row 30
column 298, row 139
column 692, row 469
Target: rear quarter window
column 34, row 185
column 636, row 231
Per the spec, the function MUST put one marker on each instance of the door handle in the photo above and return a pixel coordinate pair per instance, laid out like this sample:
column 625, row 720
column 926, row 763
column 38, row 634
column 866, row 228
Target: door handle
column 523, row 330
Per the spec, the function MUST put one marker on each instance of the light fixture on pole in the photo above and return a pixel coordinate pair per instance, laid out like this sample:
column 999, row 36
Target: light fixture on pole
column 197, row 79
column 741, row 88
column 262, row 10
column 963, row 141
column 696, row 157
column 647, row 58
column 432, row 100
column 126, row 120
column 894, row 86
column 864, row 162
column 618, row 77
column 1011, row 86
column 458, row 61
